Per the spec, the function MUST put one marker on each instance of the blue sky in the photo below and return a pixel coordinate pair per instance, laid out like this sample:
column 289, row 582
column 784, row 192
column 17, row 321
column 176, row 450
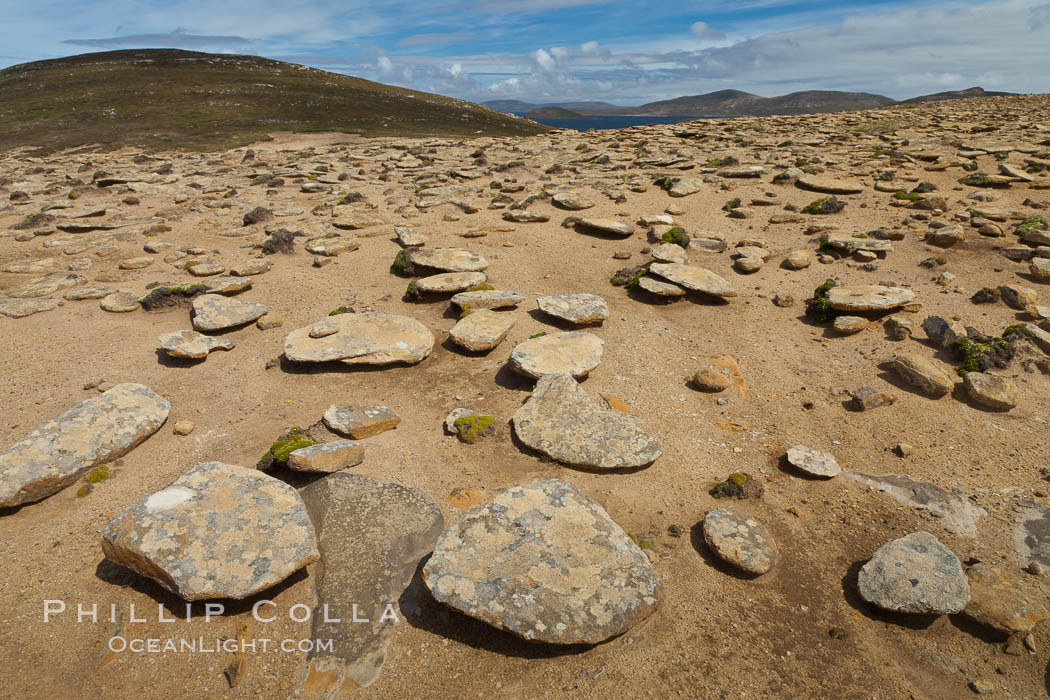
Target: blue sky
column 549, row 50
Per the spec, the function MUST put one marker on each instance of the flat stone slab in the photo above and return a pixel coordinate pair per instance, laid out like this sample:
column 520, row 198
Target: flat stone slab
column 572, row 201
column 447, row 282
column 481, row 330
column 447, row 259
column 215, row 312
column 692, row 277
column 575, row 308
column 331, row 247
column 88, row 292
column 915, row 574
column 670, row 253
column 46, row 286
column 20, row 308
column 191, row 345
column 738, row 539
column 366, row 338
column 119, row 303
column 922, row 373
column 828, row 185
column 660, row 288
column 848, row 244
column 617, row 228
column 813, row 462
column 219, row 531
column 360, row 422
column 546, row 563
column 561, row 420
column 327, row 457
column 1032, row 536
column 574, row 353
column 686, row 186
column 372, row 535
column 93, row 432
column 956, row 512
column 1006, row 600
column 487, row 299
column 868, row 297
column 409, row 237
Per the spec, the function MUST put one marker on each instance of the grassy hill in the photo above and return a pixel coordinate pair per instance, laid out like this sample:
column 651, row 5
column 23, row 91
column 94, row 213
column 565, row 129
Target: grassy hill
column 167, row 98
column 552, row 113
column 734, row 103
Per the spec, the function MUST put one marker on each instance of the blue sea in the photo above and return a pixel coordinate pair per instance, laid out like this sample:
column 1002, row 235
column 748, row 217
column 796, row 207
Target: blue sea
column 609, row 122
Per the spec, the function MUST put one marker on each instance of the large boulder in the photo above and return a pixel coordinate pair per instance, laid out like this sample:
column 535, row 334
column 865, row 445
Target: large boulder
column 546, row 563
column 219, row 531
column 93, row 432
column 915, row 574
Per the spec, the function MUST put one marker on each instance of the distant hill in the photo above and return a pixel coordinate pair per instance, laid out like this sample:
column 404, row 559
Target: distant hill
column 957, row 94
column 552, row 113
column 167, row 98
column 519, row 107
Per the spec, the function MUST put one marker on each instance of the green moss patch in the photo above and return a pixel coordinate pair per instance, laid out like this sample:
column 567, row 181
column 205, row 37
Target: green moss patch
column 470, row 428
column 284, row 446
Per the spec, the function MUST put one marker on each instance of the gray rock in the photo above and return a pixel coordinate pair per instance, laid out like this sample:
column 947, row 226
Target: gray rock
column 670, row 253
column 366, row 338
column 695, row 278
column 915, row 574
column 20, row 308
column 660, row 288
column 813, row 462
column 1032, row 536
column 546, row 563
column 572, row 201
column 447, row 282
column 409, row 237
column 868, row 297
column 487, row 299
column 828, row 185
column 563, row 422
column 740, row 540
column 88, row 292
column 219, row 531
column 957, row 513
column 372, row 535
column 360, row 422
column 93, row 432
column 575, row 353
column 575, row 308
column 327, row 457
column 214, row 312
column 612, row 226
column 119, row 302
column 481, row 330
column 991, row 391
column 446, row 259
column 942, row 331
column 191, row 345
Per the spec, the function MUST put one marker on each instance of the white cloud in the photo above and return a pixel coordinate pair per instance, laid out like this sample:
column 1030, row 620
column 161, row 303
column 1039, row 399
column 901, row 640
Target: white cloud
column 385, row 65
column 544, row 60
column 705, row 31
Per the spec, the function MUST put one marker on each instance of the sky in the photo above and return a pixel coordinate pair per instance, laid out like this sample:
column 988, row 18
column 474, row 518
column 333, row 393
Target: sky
column 625, row 53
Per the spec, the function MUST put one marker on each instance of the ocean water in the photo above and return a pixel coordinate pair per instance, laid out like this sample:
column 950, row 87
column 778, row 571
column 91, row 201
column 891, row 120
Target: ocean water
column 610, row 122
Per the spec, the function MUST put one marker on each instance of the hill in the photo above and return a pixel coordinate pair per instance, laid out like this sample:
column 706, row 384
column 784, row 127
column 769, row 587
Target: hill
column 552, row 113
column 519, row 107
column 735, row 103
column 956, row 94
column 168, row 98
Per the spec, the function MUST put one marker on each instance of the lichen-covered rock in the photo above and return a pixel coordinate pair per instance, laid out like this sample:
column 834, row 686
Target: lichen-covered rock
column 915, row 574
column 575, row 308
column 868, row 297
column 546, row 563
column 20, row 308
column 360, row 422
column 214, row 312
column 446, row 259
column 372, row 535
column 574, row 353
column 487, row 299
column 562, row 421
column 366, row 338
column 95, row 431
column 191, row 345
column 740, row 540
column 219, row 531
column 327, row 457
column 698, row 279
column 481, row 330
column 813, row 462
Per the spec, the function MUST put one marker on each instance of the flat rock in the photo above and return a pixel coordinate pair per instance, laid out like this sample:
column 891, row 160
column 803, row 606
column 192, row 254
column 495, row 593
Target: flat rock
column 20, row 308
column 848, row 325
column 692, row 277
column 828, row 185
column 738, row 539
column 575, row 308
column 670, row 253
column 574, row 353
column 546, row 563
column 1032, row 536
column 46, row 286
column 660, row 288
column 360, row 422
column 481, row 330
column 93, row 291
column 372, row 535
column 447, row 282
column 572, row 201
column 565, row 423
column 251, row 267
column 327, row 457
column 868, row 297
column 686, row 186
column 487, row 299
column 191, row 345
column 331, row 247
column 447, row 259
column 915, row 574
column 205, row 269
column 409, row 237
column 93, row 432
column 119, row 302
column 219, row 531
column 813, row 462
column 953, row 509
column 991, row 390
column 922, row 373
column 366, row 338
column 617, row 228
column 214, row 312
column 1005, row 599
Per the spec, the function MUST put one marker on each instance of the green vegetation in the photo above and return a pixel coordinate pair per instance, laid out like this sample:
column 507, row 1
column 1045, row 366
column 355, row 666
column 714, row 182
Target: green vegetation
column 824, row 205
column 402, row 264
column 907, row 196
column 819, row 308
column 470, row 428
column 986, row 295
column 167, row 98
column 642, row 541
column 731, row 204
column 941, row 261
column 1030, row 225
column 664, row 183
column 482, row 287
column 284, row 446
column 340, row 310
column 784, row 144
column 975, row 180
column 971, row 352
column 735, row 479
column 675, row 235
column 538, row 335
column 412, row 292
column 98, row 474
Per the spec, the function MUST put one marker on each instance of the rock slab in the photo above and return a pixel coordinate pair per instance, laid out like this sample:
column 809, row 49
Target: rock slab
column 915, row 574
column 738, row 539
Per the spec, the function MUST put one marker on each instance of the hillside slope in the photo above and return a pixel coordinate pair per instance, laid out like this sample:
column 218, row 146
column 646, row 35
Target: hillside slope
column 735, row 103
column 167, row 98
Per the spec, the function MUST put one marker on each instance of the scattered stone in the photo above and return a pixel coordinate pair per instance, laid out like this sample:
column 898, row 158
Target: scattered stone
column 258, row 215
column 813, row 462
column 848, row 325
column 991, row 390
column 214, row 312
column 828, row 185
column 799, row 259
column 574, row 353
column 409, row 237
column 481, row 330
column 327, row 457
column 219, row 531
column 899, row 327
column 740, row 540
column 1017, row 296
column 267, row 322
column 487, row 299
column 1032, row 536
column 571, row 201
column 915, row 574
column 88, row 292
column 470, row 426
column 660, row 288
column 670, row 253
column 695, row 278
column 449, row 282
column 575, row 308
column 546, row 563
column 923, row 374
column 93, row 432
column 183, row 427
column 562, row 421
column 119, row 302
column 360, row 422
column 868, row 298
column 444, row 259
column 191, row 345
column 20, row 308
column 747, row 264
column 612, row 226
column 370, row 338
column 868, row 397
column 1004, row 600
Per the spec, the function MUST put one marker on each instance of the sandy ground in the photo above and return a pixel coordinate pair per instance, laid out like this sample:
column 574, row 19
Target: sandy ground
column 799, row 631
